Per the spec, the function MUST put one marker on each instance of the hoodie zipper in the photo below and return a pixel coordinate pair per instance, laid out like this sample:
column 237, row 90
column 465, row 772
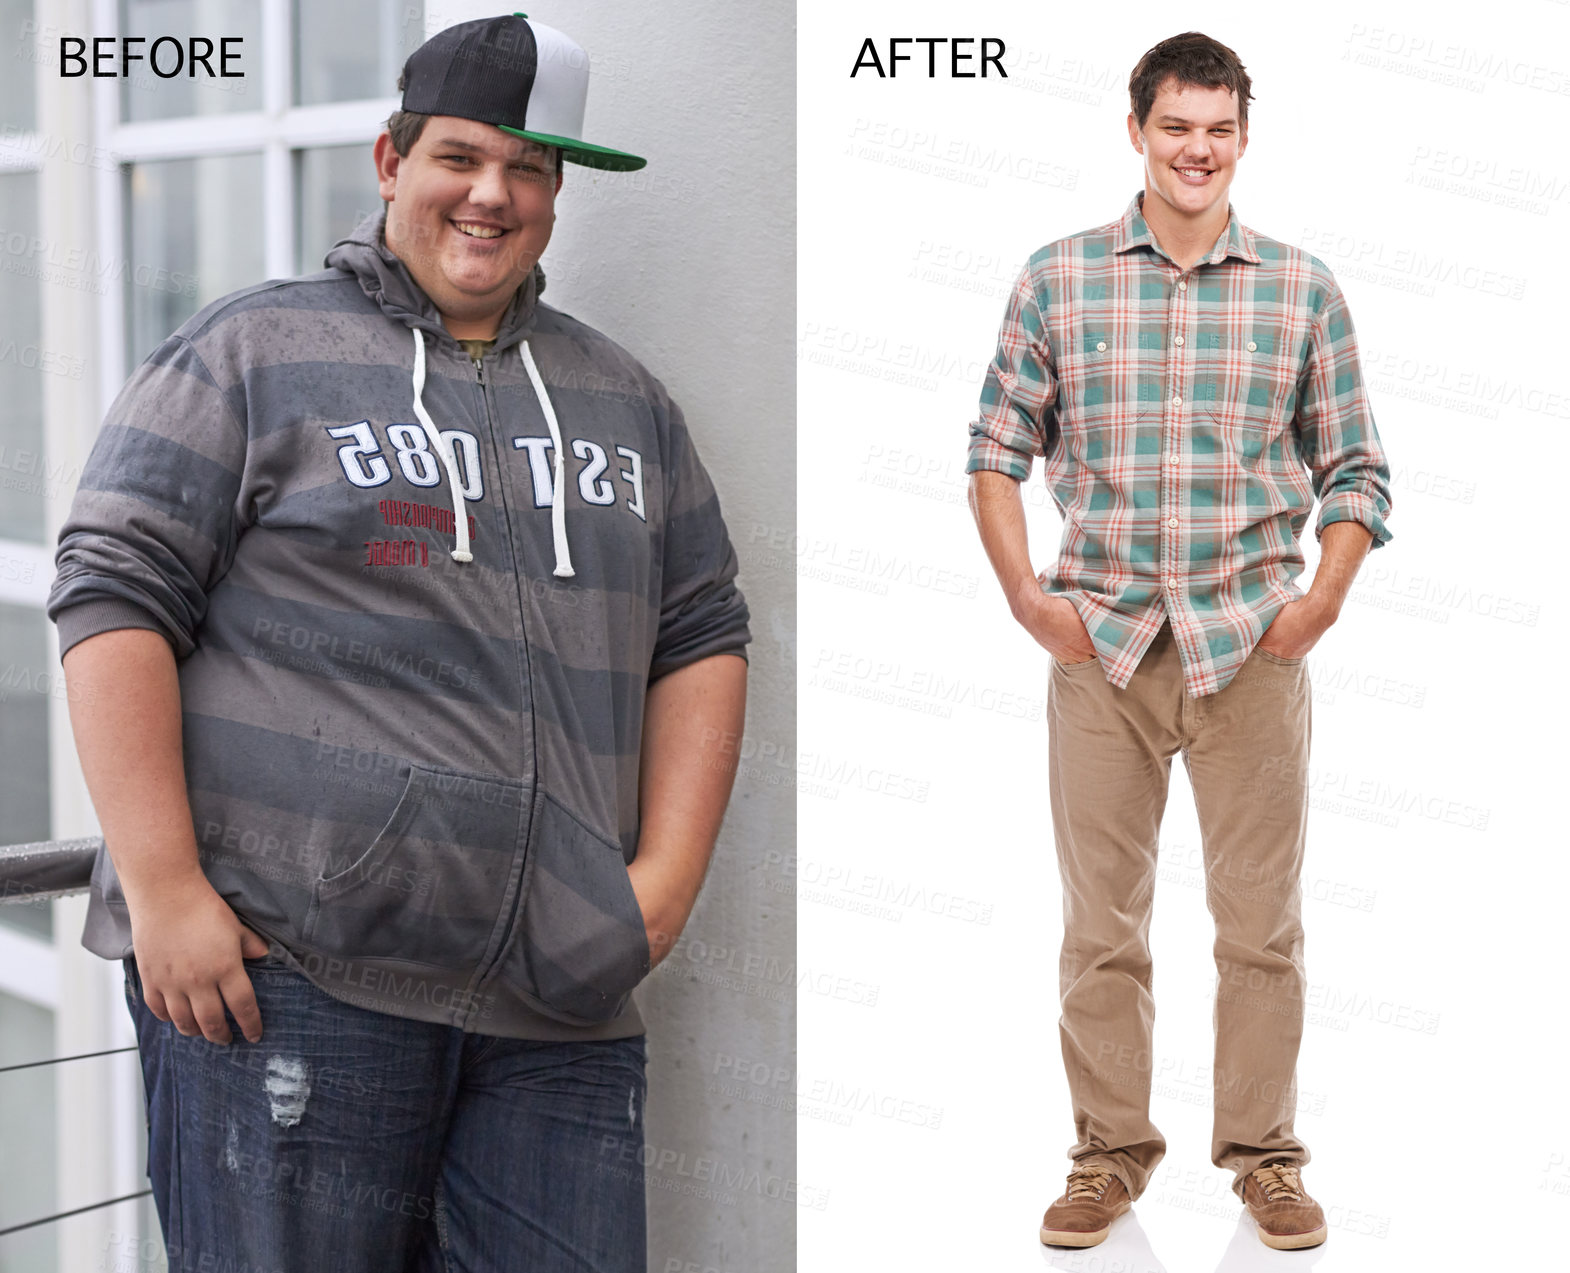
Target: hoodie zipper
column 486, row 969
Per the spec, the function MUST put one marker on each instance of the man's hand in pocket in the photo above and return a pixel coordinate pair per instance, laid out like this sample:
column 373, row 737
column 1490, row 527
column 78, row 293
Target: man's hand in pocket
column 1296, row 629
column 1056, row 625
column 189, row 945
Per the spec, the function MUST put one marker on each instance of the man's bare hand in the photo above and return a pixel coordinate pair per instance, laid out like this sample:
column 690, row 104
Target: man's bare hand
column 1055, row 624
column 1049, row 617
column 188, row 945
column 654, row 903
column 1296, row 629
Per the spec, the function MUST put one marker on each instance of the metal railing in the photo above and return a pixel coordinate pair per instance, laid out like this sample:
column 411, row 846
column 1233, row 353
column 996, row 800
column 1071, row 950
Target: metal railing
column 39, row 872
column 47, row 869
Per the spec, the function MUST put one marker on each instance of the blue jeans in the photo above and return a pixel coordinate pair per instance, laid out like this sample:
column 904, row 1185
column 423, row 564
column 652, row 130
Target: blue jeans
column 349, row 1140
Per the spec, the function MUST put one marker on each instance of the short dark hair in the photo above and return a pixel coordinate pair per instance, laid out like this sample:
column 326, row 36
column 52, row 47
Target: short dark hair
column 406, row 127
column 1191, row 58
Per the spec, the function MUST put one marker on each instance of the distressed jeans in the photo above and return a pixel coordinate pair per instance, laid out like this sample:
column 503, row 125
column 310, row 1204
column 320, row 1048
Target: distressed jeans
column 349, row 1140
column 1246, row 750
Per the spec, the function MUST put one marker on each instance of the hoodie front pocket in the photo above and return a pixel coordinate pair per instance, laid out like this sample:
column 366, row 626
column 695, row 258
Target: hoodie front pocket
column 430, row 887
column 582, row 942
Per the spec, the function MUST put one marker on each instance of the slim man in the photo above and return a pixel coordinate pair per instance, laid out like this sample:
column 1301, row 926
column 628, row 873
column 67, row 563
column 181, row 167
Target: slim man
column 1191, row 386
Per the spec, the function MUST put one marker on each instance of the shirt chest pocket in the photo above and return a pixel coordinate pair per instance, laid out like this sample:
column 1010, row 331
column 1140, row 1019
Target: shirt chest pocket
column 1246, row 381
column 1104, row 378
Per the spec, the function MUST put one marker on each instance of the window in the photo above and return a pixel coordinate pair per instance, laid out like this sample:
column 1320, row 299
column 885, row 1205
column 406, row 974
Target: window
column 144, row 95
column 16, row 85
column 26, row 676
column 22, row 360
column 27, row 1134
column 206, row 208
column 336, row 187
column 194, row 231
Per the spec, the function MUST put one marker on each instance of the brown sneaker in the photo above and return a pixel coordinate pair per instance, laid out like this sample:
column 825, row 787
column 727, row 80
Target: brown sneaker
column 1286, row 1216
column 1081, row 1217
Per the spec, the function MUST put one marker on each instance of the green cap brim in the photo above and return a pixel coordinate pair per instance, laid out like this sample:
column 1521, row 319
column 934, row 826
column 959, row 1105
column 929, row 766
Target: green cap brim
column 581, row 152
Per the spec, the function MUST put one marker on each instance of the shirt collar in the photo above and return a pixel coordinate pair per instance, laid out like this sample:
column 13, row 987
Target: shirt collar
column 1133, row 230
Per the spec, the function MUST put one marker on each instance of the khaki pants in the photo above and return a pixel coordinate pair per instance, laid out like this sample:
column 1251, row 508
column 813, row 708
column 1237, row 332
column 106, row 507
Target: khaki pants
column 1246, row 750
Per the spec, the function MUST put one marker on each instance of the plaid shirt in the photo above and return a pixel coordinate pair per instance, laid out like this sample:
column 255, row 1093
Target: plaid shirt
column 1187, row 421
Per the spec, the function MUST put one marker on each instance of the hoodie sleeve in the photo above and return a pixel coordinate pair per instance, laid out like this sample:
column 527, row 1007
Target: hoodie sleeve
column 153, row 524
column 702, row 612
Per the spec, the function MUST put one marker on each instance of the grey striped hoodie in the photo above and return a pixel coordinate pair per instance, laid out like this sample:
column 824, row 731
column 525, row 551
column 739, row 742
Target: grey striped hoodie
column 415, row 774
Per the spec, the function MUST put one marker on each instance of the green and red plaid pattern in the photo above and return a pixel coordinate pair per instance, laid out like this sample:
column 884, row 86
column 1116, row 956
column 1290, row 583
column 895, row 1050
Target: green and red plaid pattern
column 1187, row 420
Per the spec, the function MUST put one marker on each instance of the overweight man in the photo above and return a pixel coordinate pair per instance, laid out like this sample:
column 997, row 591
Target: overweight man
column 397, row 608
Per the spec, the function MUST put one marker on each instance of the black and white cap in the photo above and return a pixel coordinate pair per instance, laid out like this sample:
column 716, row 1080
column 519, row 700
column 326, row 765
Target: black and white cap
column 525, row 77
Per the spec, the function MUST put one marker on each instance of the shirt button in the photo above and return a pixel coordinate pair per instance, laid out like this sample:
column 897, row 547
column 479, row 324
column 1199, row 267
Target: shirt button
column 1178, row 341
column 1182, row 287
column 1252, row 346
column 1101, row 346
column 1171, row 582
column 1172, row 457
column 1177, row 401
column 1172, row 521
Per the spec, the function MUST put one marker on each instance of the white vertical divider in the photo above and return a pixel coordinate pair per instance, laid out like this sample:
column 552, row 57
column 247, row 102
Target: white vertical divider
column 277, row 165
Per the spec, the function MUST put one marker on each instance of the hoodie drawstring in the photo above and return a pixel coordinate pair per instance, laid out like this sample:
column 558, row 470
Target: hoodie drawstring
column 443, row 448
column 558, row 504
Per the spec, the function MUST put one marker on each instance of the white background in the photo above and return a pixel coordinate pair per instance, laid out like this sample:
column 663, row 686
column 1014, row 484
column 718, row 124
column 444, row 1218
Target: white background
column 934, row 1117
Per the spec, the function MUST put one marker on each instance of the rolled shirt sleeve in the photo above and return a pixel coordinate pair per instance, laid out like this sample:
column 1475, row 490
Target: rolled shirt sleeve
column 1335, row 428
column 1017, row 420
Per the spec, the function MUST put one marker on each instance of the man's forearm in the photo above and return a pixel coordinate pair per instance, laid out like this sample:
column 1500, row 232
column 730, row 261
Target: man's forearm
column 1000, row 517
column 1342, row 548
column 692, row 728
column 124, row 697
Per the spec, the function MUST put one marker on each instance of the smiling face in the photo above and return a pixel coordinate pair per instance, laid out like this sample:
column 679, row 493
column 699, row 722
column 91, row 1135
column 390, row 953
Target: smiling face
column 469, row 211
column 1191, row 143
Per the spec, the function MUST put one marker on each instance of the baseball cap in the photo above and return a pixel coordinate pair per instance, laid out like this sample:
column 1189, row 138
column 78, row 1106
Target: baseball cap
column 525, row 77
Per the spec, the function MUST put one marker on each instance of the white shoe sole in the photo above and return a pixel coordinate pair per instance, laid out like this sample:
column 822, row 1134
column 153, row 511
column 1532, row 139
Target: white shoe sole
column 1293, row 1241
column 1075, row 1237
